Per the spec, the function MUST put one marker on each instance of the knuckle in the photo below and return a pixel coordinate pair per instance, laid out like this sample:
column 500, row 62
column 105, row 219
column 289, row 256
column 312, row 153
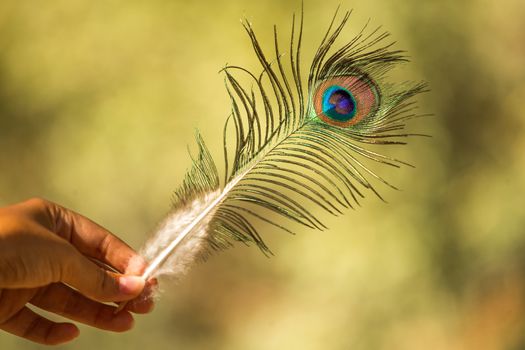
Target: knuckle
column 106, row 284
column 56, row 271
column 10, row 304
column 103, row 247
column 41, row 209
column 37, row 329
column 13, row 270
column 5, row 307
column 103, row 287
column 72, row 304
column 37, row 202
column 69, row 268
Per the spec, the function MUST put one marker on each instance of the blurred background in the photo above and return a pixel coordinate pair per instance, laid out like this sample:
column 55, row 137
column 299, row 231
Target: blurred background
column 99, row 101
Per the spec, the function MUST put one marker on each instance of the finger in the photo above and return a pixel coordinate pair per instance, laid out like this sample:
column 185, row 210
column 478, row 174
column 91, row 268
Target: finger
column 90, row 238
column 144, row 303
column 30, row 325
column 140, row 306
column 62, row 300
column 12, row 300
column 99, row 284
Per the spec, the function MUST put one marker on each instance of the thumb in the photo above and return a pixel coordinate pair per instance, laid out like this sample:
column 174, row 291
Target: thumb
column 99, row 284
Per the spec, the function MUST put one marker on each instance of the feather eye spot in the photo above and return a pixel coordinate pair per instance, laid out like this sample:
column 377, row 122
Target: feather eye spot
column 344, row 101
column 339, row 103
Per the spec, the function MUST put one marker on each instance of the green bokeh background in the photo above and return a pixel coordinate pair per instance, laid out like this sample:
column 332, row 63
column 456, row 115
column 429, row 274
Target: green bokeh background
column 99, row 100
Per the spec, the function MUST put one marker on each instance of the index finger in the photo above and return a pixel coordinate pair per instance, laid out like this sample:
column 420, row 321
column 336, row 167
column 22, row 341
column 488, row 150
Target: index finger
column 92, row 239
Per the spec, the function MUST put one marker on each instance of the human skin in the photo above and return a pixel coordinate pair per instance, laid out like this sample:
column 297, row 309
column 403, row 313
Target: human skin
column 50, row 257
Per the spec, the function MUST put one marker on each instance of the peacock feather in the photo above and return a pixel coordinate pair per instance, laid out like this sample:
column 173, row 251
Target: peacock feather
column 294, row 145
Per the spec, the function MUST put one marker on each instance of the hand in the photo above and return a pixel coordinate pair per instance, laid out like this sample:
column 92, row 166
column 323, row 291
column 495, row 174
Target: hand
column 48, row 258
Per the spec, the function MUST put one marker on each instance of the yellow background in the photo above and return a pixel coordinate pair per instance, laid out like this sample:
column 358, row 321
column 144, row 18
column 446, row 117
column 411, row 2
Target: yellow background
column 99, row 100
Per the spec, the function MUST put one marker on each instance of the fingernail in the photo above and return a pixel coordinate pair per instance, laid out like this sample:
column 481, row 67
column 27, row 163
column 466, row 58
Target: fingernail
column 131, row 284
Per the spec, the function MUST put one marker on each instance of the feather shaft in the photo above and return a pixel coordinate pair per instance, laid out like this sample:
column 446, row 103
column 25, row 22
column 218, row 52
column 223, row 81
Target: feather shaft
column 157, row 262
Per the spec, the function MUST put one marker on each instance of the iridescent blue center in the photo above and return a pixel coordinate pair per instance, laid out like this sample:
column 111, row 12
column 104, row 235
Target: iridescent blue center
column 339, row 104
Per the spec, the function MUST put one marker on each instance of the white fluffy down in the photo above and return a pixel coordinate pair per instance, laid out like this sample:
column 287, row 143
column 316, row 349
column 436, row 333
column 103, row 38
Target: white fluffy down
column 190, row 248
